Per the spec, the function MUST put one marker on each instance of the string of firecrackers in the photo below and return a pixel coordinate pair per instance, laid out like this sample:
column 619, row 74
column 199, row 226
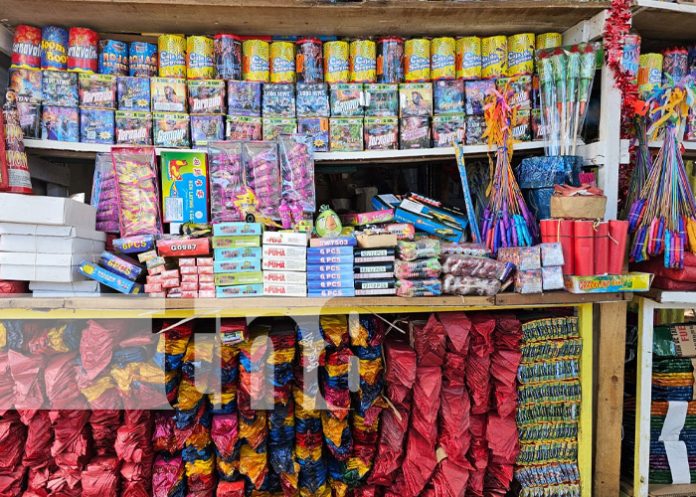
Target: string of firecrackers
column 662, row 220
column 507, row 222
column 616, row 27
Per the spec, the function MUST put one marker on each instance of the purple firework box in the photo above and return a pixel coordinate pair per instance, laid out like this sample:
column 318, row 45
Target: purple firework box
column 133, row 93
column 97, row 126
column 243, row 128
column 244, row 98
column 206, row 96
column 207, row 128
column 59, row 88
column 318, row 129
column 476, row 93
column 60, row 123
column 415, row 132
column 97, row 91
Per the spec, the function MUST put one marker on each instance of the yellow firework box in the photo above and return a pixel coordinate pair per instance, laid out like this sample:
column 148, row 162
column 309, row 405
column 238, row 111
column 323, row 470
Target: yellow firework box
column 172, row 56
column 494, row 57
column 199, row 58
column 282, row 62
column 442, row 58
column 336, row 66
column 548, row 40
column 520, row 54
column 468, row 57
column 363, row 61
column 649, row 71
column 255, row 61
column 417, row 60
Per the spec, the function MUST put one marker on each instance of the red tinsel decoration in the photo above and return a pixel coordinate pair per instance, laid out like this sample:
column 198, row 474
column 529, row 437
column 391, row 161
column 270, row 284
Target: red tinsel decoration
column 616, row 27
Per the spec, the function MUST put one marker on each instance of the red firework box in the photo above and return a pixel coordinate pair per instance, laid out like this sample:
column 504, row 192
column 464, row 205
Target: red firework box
column 82, row 50
column 26, row 47
column 183, row 247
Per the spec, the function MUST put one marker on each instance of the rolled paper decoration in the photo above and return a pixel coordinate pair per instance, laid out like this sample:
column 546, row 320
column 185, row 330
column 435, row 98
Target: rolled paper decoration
column 565, row 234
column 550, row 230
column 618, row 236
column 583, row 245
column 601, row 248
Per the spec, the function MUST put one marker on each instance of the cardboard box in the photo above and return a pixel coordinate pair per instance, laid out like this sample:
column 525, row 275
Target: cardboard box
column 236, row 241
column 631, row 282
column 319, row 251
column 552, row 278
column 288, row 251
column 524, row 258
column 239, row 291
column 42, row 230
column 329, row 259
column 184, row 187
column 179, row 247
column 675, row 340
column 249, row 278
column 236, row 229
column 284, row 290
column 237, row 266
column 65, row 294
column 120, row 265
column 49, row 244
column 341, row 241
column 314, row 285
column 28, row 209
column 109, row 279
column 285, row 277
column 284, row 264
column 346, row 274
column 225, row 254
column 284, row 238
column 372, row 240
column 578, row 207
column 333, row 292
column 42, row 267
column 134, row 244
column 87, row 286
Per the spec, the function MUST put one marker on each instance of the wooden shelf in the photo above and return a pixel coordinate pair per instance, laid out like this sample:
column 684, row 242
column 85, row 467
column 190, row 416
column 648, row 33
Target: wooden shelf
column 123, row 306
column 72, row 150
column 670, row 297
column 660, row 20
column 689, row 147
column 302, row 17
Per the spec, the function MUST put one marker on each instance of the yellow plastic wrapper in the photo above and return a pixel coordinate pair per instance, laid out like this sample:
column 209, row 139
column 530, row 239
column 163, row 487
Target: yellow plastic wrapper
column 97, row 388
column 308, row 453
column 494, row 57
column 188, row 396
column 148, row 372
column 227, row 468
column 333, row 427
column 170, row 346
column 359, row 424
column 200, row 467
column 358, row 333
column 520, row 54
column 138, row 371
column 199, row 437
column 254, row 433
column 290, row 480
column 3, row 336
column 200, row 352
column 228, row 353
column 222, row 399
column 338, row 369
column 55, row 339
column 370, row 369
column 283, row 356
column 253, row 465
column 357, row 464
column 548, row 40
column 305, row 405
column 335, row 329
column 323, row 491
column 339, row 489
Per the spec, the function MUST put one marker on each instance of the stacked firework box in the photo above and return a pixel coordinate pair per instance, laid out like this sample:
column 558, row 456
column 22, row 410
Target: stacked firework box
column 346, row 123
column 418, row 268
column 381, row 116
column 44, row 239
column 380, row 258
column 237, row 254
column 60, row 115
column 97, row 106
column 330, row 267
column 104, row 194
column 538, row 268
column 449, row 120
column 313, row 113
column 285, row 264
column 180, row 268
column 416, row 110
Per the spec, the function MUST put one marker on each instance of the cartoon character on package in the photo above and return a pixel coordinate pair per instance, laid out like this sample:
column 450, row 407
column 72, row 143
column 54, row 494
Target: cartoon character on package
column 133, row 128
column 168, row 94
column 205, row 129
column 96, row 126
column 27, row 84
column 60, row 123
column 171, row 129
column 346, row 134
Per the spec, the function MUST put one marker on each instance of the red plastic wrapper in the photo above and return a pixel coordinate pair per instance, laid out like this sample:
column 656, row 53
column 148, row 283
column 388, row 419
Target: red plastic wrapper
column 429, row 342
column 482, row 334
column 400, row 372
column 224, row 433
column 504, row 365
column 7, row 383
column 104, row 424
column 135, row 488
column 37, row 482
column 96, row 348
column 100, row 477
column 37, row 448
column 11, row 481
column 390, row 450
column 454, row 437
column 26, row 373
column 60, row 380
column 420, row 460
column 12, row 436
column 230, row 489
column 457, row 326
column 656, row 266
column 163, row 437
column 478, row 382
column 498, row 479
column 167, row 473
column 11, row 287
column 478, row 455
column 450, row 479
column 503, row 439
column 70, row 444
column 508, row 332
column 670, row 284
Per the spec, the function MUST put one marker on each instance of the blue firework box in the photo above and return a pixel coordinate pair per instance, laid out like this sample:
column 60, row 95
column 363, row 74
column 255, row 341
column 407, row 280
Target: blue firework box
column 232, row 253
column 314, row 285
column 60, row 88
column 538, row 175
column 244, row 98
column 110, row 279
column 325, row 251
column 313, row 100
column 332, row 292
column 121, row 265
column 60, row 123
column 345, row 274
column 443, row 222
column 97, row 126
column 133, row 93
column 330, row 259
column 238, row 265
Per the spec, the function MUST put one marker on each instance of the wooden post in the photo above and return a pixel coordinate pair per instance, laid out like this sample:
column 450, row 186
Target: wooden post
column 609, row 374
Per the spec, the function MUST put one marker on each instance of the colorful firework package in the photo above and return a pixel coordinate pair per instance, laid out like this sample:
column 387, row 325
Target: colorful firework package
column 346, row 99
column 449, row 129
column 30, row 119
column 133, row 128
column 273, row 127
column 318, row 129
column 278, row 100
column 415, row 99
column 228, row 56
column 205, row 129
column 26, row 47
column 54, row 48
column 381, row 99
column 14, row 170
column 113, row 57
column 60, row 123
column 82, row 50
column 244, row 98
column 97, row 91
column 243, row 128
column 346, row 134
column 297, row 178
column 475, row 128
column 60, row 88
column 133, row 93
column 27, row 84
column 142, row 59
column 168, row 94
column 382, row 133
column 263, row 175
column 206, row 96
column 448, row 96
column 97, row 126
column 312, row 100
column 414, row 132
column 170, row 129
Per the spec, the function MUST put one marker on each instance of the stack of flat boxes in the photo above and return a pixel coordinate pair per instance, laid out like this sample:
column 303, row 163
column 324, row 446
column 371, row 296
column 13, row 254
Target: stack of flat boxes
column 237, row 259
column 385, row 285
column 197, row 278
column 43, row 240
column 284, row 264
column 330, row 271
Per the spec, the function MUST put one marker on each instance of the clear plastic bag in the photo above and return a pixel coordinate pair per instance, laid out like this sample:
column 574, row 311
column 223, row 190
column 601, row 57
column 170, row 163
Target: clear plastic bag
column 226, row 181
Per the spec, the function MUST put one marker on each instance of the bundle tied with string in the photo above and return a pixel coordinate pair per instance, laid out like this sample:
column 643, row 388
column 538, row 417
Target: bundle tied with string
column 171, row 347
column 662, row 220
column 507, row 222
column 308, row 428
column 134, row 450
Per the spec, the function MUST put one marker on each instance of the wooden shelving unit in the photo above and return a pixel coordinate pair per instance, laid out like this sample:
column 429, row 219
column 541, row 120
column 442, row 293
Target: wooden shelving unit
column 661, row 20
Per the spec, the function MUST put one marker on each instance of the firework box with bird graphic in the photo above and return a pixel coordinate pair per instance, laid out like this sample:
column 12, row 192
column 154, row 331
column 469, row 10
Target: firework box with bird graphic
column 184, row 187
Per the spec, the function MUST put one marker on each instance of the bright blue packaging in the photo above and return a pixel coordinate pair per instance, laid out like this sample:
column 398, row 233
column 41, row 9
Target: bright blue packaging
column 60, row 123
column 345, row 275
column 238, row 265
column 97, row 126
column 323, row 285
column 236, row 229
column 120, row 265
column 330, row 259
column 112, row 280
column 133, row 93
column 134, row 244
column 316, row 251
column 333, row 292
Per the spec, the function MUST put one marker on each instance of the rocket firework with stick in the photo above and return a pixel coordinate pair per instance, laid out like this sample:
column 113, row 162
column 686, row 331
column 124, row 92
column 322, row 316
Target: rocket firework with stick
column 507, row 222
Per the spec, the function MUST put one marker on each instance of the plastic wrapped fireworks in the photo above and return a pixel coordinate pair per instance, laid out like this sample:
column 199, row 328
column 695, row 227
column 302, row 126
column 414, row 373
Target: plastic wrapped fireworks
column 171, row 348
column 134, row 450
column 297, row 179
column 227, row 178
column 544, row 341
column 263, row 177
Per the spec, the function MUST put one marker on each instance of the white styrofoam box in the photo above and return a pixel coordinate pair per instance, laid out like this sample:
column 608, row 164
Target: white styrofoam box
column 56, row 231
column 74, row 286
column 46, row 210
column 59, row 293
column 49, row 244
column 42, row 267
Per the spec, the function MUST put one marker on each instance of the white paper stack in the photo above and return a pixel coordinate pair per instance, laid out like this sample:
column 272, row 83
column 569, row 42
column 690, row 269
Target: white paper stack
column 44, row 239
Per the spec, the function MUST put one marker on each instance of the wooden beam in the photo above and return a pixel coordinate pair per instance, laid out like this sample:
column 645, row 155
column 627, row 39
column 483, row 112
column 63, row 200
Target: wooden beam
column 609, row 374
